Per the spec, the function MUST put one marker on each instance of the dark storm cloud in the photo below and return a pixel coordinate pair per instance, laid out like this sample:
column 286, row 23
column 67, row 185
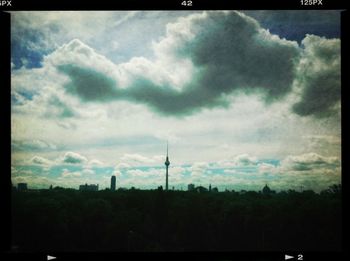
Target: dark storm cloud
column 234, row 53
column 168, row 101
column 319, row 78
column 231, row 54
column 89, row 84
column 295, row 24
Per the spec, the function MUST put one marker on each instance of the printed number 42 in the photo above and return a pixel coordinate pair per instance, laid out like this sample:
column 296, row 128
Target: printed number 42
column 186, row 3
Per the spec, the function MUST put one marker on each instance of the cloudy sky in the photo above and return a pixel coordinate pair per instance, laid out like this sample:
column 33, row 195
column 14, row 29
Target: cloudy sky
column 243, row 98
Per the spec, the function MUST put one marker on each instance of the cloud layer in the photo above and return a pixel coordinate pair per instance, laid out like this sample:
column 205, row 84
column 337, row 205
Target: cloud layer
column 202, row 61
column 309, row 161
column 310, row 170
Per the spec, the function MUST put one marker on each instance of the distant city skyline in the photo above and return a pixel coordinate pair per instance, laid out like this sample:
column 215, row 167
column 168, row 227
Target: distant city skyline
column 244, row 99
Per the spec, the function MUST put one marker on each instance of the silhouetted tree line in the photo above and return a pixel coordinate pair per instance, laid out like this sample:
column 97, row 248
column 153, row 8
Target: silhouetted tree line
column 155, row 220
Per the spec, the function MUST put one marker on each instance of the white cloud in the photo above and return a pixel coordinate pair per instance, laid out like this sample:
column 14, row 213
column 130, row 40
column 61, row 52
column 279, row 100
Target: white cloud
column 37, row 160
column 330, row 139
column 198, row 169
column 42, row 144
column 230, row 171
column 77, row 53
column 34, row 144
column 145, row 173
column 66, row 124
column 176, row 170
column 117, row 173
column 244, row 160
column 266, row 168
column 167, row 135
column 67, row 174
column 88, row 171
column 122, row 166
column 73, row 158
column 15, row 172
column 309, row 162
column 240, row 160
column 95, row 162
column 137, row 159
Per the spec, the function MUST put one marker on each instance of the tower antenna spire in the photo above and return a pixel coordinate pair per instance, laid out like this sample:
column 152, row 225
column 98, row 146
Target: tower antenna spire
column 167, row 163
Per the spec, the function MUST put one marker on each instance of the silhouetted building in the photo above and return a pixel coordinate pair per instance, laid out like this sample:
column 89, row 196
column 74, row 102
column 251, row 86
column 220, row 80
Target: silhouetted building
column 87, row 187
column 190, row 187
column 214, row 190
column 113, row 182
column 22, row 187
column 167, row 163
column 209, row 187
column 57, row 188
column 266, row 190
column 201, row 189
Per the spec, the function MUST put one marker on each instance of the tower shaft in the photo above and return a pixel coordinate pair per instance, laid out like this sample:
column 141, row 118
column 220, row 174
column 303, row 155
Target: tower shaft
column 166, row 178
column 167, row 163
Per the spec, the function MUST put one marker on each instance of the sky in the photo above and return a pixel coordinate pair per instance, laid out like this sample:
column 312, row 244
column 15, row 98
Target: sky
column 243, row 98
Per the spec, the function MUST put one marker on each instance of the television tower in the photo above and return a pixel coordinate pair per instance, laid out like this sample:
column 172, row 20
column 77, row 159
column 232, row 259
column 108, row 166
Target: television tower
column 167, row 163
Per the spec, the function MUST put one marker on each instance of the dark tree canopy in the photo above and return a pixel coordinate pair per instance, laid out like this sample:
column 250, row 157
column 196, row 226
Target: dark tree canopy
column 156, row 220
